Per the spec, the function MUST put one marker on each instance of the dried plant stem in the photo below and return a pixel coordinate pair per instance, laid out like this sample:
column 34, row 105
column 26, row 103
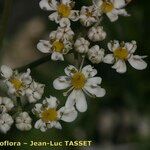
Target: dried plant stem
column 34, row 63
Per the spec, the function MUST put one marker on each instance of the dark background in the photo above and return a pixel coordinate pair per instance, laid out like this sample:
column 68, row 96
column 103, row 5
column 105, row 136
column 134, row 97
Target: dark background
column 118, row 121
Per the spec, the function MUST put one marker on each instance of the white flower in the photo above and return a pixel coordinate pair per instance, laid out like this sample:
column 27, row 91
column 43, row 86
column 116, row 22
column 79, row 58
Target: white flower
column 6, row 104
column 5, row 122
column 96, row 34
column 23, row 121
column 62, row 9
column 112, row 8
column 16, row 82
column 88, row 15
column 35, row 92
column 64, row 32
column 79, row 81
column 95, row 54
column 56, row 46
column 49, row 116
column 123, row 52
column 81, row 45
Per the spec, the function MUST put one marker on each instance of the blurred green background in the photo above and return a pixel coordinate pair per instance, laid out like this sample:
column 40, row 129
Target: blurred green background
column 120, row 120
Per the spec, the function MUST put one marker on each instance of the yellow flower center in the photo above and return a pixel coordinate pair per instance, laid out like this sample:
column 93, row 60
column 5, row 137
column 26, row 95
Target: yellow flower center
column 78, row 80
column 16, row 83
column 49, row 1
column 121, row 53
column 64, row 10
column 49, row 115
column 89, row 14
column 58, row 46
column 107, row 7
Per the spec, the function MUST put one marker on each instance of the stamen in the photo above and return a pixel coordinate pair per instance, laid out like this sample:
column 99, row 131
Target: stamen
column 66, row 93
column 107, row 6
column 89, row 13
column 16, row 83
column 58, row 46
column 78, row 80
column 49, row 114
column 121, row 53
column 90, row 95
column 64, row 10
column 82, row 63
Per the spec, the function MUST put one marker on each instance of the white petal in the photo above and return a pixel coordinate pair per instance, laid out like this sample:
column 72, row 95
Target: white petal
column 40, row 125
column 61, row 83
column 89, row 71
column 81, row 103
column 113, row 45
column 6, row 71
column 44, row 46
column 52, row 102
column 131, row 46
column 58, row 125
column 120, row 66
column 137, row 62
column 54, row 17
column 95, row 91
column 97, row 3
column 94, row 80
column 66, row 1
column 26, row 77
column 74, row 15
column 113, row 16
column 4, row 128
column 71, row 99
column 119, row 3
column 70, row 70
column 68, row 114
column 45, row 5
column 57, row 56
column 37, row 108
column 123, row 12
column 64, row 22
column 109, row 59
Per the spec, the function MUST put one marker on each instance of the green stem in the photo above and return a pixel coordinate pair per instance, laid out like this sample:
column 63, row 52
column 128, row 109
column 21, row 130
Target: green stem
column 34, row 63
column 4, row 20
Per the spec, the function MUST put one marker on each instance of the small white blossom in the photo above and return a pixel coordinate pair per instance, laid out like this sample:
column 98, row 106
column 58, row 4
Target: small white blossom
column 5, row 122
column 6, row 104
column 35, row 92
column 16, row 82
column 95, row 54
column 96, row 34
column 81, row 45
column 112, row 8
column 55, row 46
column 60, row 10
column 23, row 121
column 64, row 32
column 123, row 52
column 88, row 15
column 49, row 116
column 80, row 82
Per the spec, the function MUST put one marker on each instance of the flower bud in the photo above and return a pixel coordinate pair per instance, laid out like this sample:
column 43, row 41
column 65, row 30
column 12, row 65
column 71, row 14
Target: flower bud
column 95, row 54
column 96, row 34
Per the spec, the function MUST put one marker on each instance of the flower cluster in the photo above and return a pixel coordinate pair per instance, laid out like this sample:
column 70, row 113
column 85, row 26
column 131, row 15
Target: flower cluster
column 21, row 84
column 21, row 88
column 49, row 116
column 79, row 80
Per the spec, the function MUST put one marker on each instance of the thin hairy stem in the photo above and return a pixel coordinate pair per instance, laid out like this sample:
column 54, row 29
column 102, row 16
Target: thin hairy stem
column 34, row 63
